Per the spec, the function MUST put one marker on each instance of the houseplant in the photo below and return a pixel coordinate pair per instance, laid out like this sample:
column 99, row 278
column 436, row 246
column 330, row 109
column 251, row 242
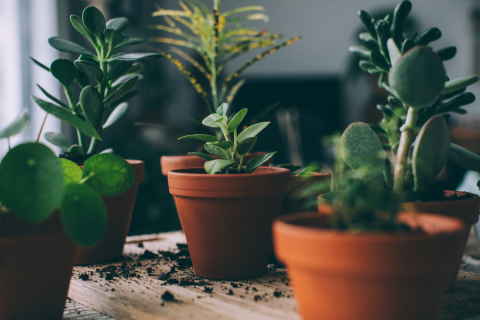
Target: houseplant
column 367, row 261
column 226, row 209
column 418, row 140
column 47, row 208
column 115, row 74
column 217, row 38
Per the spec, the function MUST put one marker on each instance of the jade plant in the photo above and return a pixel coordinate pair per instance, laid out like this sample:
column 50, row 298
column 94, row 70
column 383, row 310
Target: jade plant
column 421, row 98
column 218, row 38
column 101, row 103
column 230, row 151
column 35, row 184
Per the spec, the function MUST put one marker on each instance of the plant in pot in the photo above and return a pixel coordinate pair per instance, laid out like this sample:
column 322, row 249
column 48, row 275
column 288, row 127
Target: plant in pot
column 114, row 74
column 418, row 140
column 48, row 206
column 227, row 207
column 218, row 39
column 366, row 260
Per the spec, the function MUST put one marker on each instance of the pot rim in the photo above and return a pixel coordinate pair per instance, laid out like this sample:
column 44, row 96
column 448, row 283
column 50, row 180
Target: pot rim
column 182, row 173
column 189, row 156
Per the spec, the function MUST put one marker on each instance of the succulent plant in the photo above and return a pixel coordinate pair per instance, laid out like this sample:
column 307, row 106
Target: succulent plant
column 114, row 75
column 231, row 152
column 421, row 96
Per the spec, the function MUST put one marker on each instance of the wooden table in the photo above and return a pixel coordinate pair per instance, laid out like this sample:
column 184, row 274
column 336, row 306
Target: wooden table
column 131, row 289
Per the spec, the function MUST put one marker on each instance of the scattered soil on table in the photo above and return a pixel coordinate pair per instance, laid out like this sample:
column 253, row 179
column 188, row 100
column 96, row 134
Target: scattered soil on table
column 168, row 296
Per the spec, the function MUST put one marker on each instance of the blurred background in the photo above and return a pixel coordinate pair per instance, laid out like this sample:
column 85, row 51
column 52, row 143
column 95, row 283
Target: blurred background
column 314, row 84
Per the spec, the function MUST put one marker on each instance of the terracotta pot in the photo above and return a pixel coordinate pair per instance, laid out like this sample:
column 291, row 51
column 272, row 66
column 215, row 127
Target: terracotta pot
column 227, row 218
column 36, row 263
column 169, row 163
column 345, row 276
column 296, row 200
column 119, row 210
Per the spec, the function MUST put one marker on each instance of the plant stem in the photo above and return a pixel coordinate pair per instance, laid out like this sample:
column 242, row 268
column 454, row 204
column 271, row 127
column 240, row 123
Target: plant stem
column 72, row 104
column 406, row 139
column 235, row 141
column 41, row 129
column 86, row 178
column 9, row 145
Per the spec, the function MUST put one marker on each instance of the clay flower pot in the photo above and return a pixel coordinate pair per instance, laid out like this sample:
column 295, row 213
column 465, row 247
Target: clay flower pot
column 347, row 276
column 227, row 218
column 119, row 210
column 36, row 263
column 295, row 200
column 169, row 163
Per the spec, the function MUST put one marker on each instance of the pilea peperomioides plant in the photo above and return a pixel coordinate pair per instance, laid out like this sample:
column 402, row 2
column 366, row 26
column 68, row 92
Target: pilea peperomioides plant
column 114, row 75
column 231, row 152
column 421, row 96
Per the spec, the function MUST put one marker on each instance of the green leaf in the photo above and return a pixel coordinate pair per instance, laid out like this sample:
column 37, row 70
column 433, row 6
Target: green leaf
column 216, row 165
column 361, row 51
column 201, row 137
column 464, row 158
column 94, row 20
column 71, row 171
column 216, row 151
column 129, row 40
column 456, row 84
column 41, row 65
column 77, row 23
column 92, row 105
column 446, row 53
column 212, row 121
column 125, row 97
column 51, row 97
column 202, row 155
column 225, row 145
column 117, row 114
column 246, row 145
column 393, row 51
column 82, row 79
column 65, row 72
column 427, row 36
column 68, row 46
column 243, row 9
column 222, row 110
column 256, row 162
column 108, row 174
column 120, row 24
column 135, row 57
column 252, row 131
column 76, row 149
column 83, row 214
column 59, row 140
column 67, row 116
column 16, row 126
column 113, row 37
column 126, row 86
column 31, row 183
column 117, row 68
column 90, row 68
column 237, row 119
column 379, row 61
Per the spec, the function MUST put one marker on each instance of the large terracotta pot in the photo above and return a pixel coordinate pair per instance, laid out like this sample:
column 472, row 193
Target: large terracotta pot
column 119, row 210
column 348, row 276
column 227, row 218
column 36, row 263
column 298, row 199
column 169, row 163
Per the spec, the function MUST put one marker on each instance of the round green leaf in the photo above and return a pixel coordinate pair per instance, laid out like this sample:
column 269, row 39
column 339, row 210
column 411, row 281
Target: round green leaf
column 92, row 105
column 71, row 171
column 31, row 182
column 65, row 72
column 246, row 145
column 235, row 122
column 212, row 121
column 215, row 166
column 77, row 23
column 58, row 140
column 120, row 24
column 89, row 68
column 68, row 46
column 201, row 137
column 84, row 216
column 108, row 174
column 16, row 126
column 94, row 20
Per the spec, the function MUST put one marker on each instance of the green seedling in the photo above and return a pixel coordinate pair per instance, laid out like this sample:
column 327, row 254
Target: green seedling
column 231, row 152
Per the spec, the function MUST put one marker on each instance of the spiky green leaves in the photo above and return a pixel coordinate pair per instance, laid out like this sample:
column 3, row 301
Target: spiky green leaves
column 418, row 78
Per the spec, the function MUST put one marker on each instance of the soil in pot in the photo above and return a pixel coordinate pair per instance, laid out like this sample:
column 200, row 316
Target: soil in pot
column 377, row 276
column 36, row 263
column 227, row 218
column 119, row 210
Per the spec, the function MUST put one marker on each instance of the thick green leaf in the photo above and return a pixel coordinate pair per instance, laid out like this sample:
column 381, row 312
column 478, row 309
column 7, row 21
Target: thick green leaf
column 117, row 68
column 136, row 57
column 94, row 20
column 216, row 165
column 84, row 216
column 108, row 174
column 89, row 68
column 125, row 97
column 246, row 145
column 16, row 126
column 216, row 151
column 237, row 119
column 393, row 51
column 202, row 155
column 68, row 46
column 129, row 40
column 201, row 137
column 126, row 86
column 117, row 114
column 59, row 140
column 71, row 171
column 31, row 183
column 67, row 116
column 113, row 37
column 464, row 158
column 65, row 72
column 77, row 23
column 82, row 79
column 51, row 97
column 119, row 24
column 212, row 121
column 92, row 105
column 76, row 149
column 125, row 78
column 256, row 162
column 460, row 83
column 252, row 131
column 222, row 110
column 41, row 65
column 225, row 145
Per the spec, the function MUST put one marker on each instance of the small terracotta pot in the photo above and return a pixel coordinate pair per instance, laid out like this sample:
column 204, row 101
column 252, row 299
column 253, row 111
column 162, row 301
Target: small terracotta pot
column 36, row 263
column 296, row 200
column 169, row 163
column 227, row 218
column 346, row 276
column 119, row 210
